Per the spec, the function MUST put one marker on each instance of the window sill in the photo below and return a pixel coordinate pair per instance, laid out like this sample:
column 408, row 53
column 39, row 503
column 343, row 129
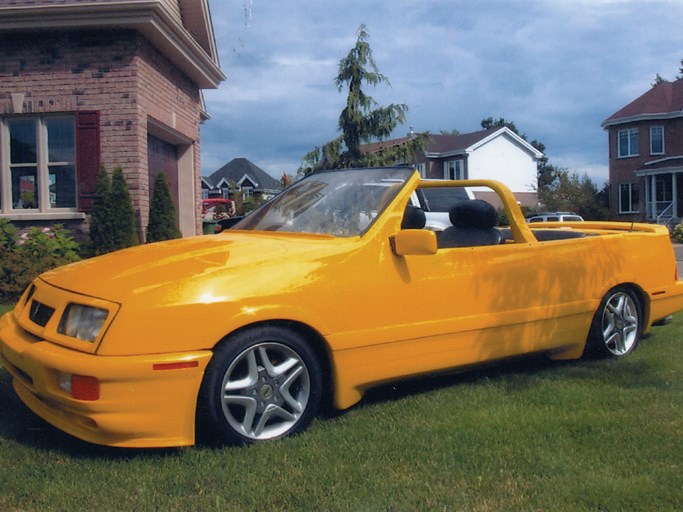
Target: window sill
column 53, row 216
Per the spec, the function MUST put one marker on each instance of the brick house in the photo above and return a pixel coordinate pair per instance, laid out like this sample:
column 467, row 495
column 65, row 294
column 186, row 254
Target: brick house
column 496, row 154
column 646, row 156
column 111, row 82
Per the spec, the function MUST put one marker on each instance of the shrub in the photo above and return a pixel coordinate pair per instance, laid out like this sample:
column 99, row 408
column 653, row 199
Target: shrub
column 100, row 225
column 112, row 225
column 122, row 212
column 677, row 233
column 25, row 256
column 163, row 220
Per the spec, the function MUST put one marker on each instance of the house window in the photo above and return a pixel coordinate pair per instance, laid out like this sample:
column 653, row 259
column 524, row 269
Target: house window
column 453, row 170
column 247, row 192
column 629, row 198
column 39, row 173
column 656, row 140
column 422, row 169
column 628, row 142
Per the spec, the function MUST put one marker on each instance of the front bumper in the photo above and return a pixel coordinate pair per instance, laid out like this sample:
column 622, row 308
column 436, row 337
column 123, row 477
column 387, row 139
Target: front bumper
column 145, row 400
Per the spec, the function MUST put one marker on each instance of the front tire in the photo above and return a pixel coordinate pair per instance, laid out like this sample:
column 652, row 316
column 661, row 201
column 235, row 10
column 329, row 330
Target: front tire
column 262, row 383
column 617, row 324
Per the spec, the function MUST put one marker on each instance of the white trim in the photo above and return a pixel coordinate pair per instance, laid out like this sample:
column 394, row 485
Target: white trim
column 661, row 127
column 632, row 186
column 652, row 162
column 643, row 117
column 150, row 17
column 220, row 184
column 251, row 180
column 504, row 130
column 632, row 151
column 52, row 216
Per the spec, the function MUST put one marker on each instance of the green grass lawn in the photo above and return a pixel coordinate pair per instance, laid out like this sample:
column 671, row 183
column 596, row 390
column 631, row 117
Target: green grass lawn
column 536, row 435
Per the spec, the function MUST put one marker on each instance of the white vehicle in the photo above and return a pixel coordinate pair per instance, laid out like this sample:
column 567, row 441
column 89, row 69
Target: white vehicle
column 436, row 202
column 555, row 217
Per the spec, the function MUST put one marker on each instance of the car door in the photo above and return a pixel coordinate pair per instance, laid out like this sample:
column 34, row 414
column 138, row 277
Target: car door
column 472, row 304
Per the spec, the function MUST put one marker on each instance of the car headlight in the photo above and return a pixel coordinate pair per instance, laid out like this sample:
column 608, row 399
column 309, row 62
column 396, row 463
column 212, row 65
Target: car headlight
column 82, row 322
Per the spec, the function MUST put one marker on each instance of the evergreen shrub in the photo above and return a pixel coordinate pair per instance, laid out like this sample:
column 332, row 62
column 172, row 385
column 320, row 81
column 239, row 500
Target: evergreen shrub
column 163, row 220
column 112, row 224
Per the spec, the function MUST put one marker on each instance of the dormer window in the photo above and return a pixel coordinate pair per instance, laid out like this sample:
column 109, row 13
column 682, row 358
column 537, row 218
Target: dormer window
column 656, row 140
column 627, row 142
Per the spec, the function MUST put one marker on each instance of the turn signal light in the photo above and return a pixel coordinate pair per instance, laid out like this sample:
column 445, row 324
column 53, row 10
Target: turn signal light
column 81, row 387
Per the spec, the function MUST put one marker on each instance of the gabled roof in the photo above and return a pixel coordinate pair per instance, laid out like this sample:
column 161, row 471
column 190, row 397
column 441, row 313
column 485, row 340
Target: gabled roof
column 451, row 145
column 180, row 29
column 441, row 146
column 662, row 101
column 240, row 169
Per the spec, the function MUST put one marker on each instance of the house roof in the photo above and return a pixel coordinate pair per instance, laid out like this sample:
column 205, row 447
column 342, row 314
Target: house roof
column 180, row 29
column 241, row 169
column 441, row 146
column 663, row 101
column 668, row 164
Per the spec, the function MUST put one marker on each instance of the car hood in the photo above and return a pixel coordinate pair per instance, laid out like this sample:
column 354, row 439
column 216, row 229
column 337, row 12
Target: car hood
column 152, row 269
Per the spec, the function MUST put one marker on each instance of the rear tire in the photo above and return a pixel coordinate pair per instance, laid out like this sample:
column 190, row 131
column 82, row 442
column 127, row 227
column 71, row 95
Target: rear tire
column 262, row 383
column 617, row 324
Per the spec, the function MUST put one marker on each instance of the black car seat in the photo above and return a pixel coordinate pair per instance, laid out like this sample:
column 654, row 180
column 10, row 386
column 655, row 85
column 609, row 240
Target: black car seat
column 474, row 224
column 414, row 218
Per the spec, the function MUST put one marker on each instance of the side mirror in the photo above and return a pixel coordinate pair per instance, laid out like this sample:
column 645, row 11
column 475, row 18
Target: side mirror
column 414, row 242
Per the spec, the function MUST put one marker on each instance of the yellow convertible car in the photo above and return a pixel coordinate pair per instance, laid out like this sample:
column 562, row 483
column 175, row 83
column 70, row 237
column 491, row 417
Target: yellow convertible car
column 332, row 287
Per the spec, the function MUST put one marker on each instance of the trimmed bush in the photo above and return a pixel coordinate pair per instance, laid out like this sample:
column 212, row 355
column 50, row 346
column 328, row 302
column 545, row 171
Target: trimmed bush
column 100, row 225
column 112, row 225
column 163, row 219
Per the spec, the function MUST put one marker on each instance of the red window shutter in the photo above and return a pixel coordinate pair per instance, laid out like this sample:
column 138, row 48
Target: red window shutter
column 87, row 157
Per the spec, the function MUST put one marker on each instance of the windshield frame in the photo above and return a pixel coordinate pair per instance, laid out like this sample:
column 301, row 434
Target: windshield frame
column 341, row 203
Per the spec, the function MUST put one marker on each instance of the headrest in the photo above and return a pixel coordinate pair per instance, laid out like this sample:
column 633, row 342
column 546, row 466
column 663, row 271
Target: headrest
column 414, row 218
column 473, row 213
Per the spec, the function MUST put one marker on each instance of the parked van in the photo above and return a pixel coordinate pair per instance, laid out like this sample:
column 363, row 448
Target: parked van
column 555, row 217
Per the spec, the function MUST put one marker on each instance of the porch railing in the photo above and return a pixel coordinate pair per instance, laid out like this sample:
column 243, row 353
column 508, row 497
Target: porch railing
column 665, row 216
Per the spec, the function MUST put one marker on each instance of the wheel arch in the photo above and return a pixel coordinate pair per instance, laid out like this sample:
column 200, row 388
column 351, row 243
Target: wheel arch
column 316, row 341
column 643, row 300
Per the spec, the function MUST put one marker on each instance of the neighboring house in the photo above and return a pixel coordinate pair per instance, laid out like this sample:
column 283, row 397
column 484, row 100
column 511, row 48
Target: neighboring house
column 496, row 154
column 646, row 156
column 250, row 180
column 102, row 82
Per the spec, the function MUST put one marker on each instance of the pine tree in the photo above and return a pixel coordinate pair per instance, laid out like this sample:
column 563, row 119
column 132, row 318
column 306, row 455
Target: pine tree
column 362, row 121
column 163, row 223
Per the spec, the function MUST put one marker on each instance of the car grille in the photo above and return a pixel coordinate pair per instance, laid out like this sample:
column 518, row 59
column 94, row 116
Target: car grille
column 40, row 314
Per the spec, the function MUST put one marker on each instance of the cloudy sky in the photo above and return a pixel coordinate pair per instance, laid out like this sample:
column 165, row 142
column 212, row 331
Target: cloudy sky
column 556, row 68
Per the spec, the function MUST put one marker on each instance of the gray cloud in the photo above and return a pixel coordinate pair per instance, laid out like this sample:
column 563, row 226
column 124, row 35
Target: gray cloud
column 556, row 68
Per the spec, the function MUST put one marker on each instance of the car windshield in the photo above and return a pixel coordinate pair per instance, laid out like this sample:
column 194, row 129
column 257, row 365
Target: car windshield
column 340, row 203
